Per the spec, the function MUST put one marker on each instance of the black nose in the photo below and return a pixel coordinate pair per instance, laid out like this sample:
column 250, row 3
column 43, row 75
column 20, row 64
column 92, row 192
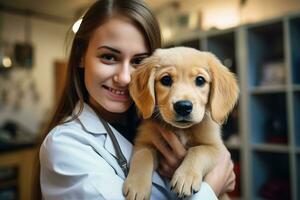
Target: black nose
column 183, row 108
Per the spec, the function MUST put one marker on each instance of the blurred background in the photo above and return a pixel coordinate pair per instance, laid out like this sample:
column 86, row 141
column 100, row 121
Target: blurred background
column 259, row 40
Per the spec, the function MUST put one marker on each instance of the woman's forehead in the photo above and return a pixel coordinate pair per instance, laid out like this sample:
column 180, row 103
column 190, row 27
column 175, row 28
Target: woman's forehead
column 119, row 33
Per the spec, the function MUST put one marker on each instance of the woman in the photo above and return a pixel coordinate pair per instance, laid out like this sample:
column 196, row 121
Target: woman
column 78, row 156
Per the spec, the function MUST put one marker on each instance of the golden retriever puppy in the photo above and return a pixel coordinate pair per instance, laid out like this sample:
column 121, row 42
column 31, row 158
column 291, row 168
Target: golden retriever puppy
column 190, row 93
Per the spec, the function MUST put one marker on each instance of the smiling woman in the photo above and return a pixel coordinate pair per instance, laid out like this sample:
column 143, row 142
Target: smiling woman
column 88, row 142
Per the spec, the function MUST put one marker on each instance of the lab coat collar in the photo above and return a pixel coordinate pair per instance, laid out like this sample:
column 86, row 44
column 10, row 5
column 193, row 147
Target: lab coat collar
column 89, row 119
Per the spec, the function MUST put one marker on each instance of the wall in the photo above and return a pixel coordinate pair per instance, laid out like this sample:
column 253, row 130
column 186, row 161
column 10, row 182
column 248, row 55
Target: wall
column 48, row 40
column 229, row 12
column 225, row 14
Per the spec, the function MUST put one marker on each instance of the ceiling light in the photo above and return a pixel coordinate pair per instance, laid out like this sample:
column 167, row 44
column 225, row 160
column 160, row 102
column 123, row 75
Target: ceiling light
column 6, row 62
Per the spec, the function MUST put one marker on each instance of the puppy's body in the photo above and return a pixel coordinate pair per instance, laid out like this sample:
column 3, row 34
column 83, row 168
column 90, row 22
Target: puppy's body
column 190, row 93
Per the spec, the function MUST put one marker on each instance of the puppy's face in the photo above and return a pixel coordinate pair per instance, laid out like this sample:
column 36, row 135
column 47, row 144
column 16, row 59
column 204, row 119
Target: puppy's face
column 182, row 84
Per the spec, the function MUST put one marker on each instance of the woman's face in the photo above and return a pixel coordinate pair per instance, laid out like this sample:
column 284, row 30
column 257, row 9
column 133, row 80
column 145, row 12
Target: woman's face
column 115, row 49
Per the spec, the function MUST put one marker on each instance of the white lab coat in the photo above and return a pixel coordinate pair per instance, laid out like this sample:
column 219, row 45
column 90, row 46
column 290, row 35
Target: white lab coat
column 78, row 162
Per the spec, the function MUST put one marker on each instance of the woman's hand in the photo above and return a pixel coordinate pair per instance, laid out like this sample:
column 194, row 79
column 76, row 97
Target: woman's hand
column 222, row 178
column 172, row 151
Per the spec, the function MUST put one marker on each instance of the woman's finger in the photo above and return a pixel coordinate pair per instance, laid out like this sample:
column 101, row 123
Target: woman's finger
column 166, row 151
column 174, row 143
column 165, row 170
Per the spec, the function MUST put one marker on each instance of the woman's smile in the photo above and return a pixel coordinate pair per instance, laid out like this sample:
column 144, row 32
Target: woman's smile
column 117, row 94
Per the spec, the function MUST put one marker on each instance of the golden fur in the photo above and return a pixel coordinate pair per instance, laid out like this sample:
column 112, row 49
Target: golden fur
column 199, row 131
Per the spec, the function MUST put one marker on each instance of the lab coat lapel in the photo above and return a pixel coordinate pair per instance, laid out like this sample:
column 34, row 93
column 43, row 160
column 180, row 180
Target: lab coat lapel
column 125, row 145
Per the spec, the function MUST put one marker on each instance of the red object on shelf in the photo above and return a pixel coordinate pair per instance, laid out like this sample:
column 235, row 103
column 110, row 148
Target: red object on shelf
column 237, row 190
column 275, row 189
column 277, row 140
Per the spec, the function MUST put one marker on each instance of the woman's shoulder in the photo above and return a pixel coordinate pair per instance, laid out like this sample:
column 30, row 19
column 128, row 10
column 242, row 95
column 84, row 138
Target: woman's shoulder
column 65, row 129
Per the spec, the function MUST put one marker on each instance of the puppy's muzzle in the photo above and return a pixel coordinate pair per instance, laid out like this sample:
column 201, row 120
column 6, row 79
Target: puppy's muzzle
column 183, row 108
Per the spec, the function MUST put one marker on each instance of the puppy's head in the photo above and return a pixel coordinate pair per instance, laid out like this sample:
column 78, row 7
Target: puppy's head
column 181, row 84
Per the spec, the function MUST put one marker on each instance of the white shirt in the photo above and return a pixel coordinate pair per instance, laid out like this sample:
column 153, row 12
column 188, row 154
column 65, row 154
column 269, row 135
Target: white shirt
column 78, row 161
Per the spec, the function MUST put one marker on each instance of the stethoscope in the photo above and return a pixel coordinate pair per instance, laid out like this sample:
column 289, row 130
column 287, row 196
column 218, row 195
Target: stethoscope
column 120, row 156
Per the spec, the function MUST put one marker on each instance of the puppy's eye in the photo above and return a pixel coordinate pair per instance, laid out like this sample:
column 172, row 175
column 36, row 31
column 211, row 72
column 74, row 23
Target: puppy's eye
column 166, row 80
column 200, row 81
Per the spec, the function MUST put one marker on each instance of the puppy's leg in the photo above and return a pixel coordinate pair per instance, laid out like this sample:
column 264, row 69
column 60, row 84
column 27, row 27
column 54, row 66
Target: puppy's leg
column 138, row 184
column 188, row 177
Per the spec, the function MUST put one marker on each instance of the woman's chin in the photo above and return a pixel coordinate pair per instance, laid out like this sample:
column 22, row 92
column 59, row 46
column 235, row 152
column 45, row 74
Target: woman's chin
column 118, row 107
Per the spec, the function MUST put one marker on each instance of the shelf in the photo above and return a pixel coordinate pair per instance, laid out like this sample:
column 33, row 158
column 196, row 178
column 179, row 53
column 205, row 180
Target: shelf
column 298, row 174
column 10, row 183
column 296, row 110
column 268, row 119
column 9, row 193
column 223, row 46
column 268, row 89
column 265, row 51
column 271, row 170
column 194, row 43
column 295, row 49
column 276, row 148
column 296, row 88
column 265, row 57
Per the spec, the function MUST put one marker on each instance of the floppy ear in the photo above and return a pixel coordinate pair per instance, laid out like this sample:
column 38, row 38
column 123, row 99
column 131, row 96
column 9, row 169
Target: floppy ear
column 141, row 87
column 224, row 90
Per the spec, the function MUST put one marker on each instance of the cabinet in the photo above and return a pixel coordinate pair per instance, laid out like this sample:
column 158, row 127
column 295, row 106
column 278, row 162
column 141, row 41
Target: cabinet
column 263, row 131
column 16, row 173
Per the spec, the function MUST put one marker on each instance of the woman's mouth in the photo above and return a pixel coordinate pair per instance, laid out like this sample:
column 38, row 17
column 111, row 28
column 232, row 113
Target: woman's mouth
column 117, row 94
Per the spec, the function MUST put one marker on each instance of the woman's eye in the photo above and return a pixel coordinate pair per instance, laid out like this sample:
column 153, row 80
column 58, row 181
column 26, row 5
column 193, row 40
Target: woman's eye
column 137, row 61
column 108, row 58
column 166, row 80
column 200, row 81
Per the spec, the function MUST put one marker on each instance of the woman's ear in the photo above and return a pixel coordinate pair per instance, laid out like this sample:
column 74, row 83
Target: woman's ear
column 141, row 87
column 224, row 90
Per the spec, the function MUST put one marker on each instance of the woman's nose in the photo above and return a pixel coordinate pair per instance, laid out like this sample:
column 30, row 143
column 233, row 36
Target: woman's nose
column 123, row 75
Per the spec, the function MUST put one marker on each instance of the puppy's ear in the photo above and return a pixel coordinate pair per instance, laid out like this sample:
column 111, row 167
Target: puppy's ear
column 224, row 90
column 141, row 87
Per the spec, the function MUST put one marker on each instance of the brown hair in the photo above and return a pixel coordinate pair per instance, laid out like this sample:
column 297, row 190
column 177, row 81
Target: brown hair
column 75, row 90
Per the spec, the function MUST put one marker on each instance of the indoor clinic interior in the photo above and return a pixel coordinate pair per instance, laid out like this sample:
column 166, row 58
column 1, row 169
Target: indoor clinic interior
column 258, row 40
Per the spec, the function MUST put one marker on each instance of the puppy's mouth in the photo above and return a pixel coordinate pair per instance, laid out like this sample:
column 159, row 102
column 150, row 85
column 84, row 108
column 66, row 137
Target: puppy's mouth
column 183, row 123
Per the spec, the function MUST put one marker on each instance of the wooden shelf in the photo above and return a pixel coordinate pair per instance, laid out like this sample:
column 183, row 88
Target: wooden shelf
column 8, row 183
column 276, row 148
column 23, row 160
column 268, row 89
column 296, row 88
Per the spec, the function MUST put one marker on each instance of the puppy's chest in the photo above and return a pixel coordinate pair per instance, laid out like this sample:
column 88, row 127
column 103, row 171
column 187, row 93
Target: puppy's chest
column 183, row 137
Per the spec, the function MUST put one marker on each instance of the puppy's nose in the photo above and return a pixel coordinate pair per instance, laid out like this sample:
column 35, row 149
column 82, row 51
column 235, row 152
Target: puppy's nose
column 183, row 108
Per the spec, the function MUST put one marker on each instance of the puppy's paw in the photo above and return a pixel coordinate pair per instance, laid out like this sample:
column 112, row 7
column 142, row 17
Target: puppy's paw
column 185, row 182
column 137, row 188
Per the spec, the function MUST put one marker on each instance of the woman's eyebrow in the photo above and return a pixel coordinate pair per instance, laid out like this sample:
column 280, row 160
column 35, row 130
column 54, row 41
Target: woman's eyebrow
column 142, row 54
column 119, row 52
column 109, row 48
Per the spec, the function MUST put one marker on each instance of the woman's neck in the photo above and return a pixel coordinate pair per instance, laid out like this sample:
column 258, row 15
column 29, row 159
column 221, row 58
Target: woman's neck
column 110, row 117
